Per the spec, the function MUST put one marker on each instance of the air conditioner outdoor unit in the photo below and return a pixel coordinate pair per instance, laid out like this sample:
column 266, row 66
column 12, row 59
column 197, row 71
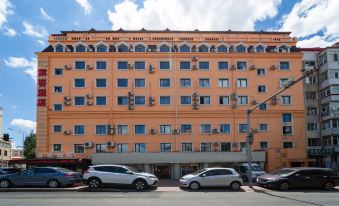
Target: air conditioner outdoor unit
column 254, row 102
column 68, row 67
column 176, row 131
column 194, row 67
column 153, row 131
column 131, row 93
column 233, row 67
column 110, row 144
column 234, row 96
column 216, row 144
column 235, row 144
column 215, row 131
column 273, row 67
column 67, row 132
column 130, row 66
column 88, row 144
column 252, row 67
column 68, row 50
column 89, row 96
column 196, row 106
column 89, row 102
column 130, row 107
column 151, row 69
column 67, row 103
column 67, row 98
column 151, row 101
column 274, row 101
column 89, row 67
column 194, row 59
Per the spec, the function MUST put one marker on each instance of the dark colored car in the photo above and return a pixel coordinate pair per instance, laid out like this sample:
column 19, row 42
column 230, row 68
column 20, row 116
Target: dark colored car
column 287, row 178
column 8, row 170
column 41, row 176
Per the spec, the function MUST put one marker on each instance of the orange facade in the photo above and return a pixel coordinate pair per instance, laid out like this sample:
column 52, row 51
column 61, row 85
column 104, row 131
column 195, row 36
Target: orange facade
column 193, row 102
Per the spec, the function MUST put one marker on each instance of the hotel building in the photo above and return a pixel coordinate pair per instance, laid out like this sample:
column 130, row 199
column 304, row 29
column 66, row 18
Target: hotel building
column 170, row 102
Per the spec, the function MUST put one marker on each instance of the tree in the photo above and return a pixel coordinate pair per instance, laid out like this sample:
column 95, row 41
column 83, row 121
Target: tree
column 29, row 146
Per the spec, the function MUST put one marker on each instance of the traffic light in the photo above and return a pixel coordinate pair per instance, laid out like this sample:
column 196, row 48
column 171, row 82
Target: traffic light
column 5, row 137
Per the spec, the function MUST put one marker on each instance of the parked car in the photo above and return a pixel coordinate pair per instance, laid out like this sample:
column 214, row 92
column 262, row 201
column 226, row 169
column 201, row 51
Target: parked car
column 41, row 176
column 7, row 170
column 118, row 175
column 243, row 169
column 212, row 177
column 304, row 177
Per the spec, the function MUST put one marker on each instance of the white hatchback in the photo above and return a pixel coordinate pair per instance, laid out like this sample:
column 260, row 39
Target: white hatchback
column 99, row 175
column 212, row 177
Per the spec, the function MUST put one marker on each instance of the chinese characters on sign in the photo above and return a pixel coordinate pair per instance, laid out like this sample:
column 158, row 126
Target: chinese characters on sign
column 56, row 156
column 42, row 75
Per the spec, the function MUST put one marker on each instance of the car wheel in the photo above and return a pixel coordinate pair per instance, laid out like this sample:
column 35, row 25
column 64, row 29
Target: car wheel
column 5, row 183
column 140, row 184
column 94, row 182
column 284, row 186
column 245, row 178
column 328, row 186
column 53, row 184
column 235, row 185
column 194, row 185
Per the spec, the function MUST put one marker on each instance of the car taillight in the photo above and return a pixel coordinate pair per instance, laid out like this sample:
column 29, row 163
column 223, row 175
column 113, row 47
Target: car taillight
column 86, row 172
column 69, row 175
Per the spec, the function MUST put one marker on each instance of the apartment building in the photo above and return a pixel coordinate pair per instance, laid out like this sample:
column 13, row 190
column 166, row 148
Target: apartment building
column 169, row 102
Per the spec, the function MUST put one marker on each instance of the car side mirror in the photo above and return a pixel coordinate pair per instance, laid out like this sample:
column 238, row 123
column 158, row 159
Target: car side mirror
column 296, row 175
column 203, row 175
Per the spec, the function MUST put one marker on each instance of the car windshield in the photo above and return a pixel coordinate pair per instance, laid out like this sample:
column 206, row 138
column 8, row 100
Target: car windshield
column 199, row 171
column 64, row 169
column 256, row 168
column 283, row 172
column 132, row 169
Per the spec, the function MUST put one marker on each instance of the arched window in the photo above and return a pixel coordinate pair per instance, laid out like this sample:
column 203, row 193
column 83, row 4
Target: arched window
column 123, row 48
column 140, row 48
column 222, row 48
column 185, row 48
column 102, row 48
column 283, row 49
column 203, row 48
column 80, row 48
column 259, row 49
column 240, row 48
column 59, row 48
column 165, row 48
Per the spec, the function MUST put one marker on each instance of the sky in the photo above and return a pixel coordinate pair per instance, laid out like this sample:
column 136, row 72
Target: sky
column 26, row 24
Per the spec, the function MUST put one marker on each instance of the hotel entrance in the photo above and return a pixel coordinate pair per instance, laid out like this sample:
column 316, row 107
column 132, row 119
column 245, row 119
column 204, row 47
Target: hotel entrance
column 163, row 171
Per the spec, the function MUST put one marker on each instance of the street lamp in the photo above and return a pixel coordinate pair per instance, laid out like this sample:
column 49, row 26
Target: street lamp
column 250, row 132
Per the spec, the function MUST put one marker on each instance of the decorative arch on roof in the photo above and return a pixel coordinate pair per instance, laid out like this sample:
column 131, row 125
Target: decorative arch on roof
column 241, row 47
column 260, row 48
column 222, row 47
column 203, row 47
column 80, row 47
column 164, row 47
column 122, row 47
column 185, row 47
column 139, row 47
column 101, row 47
column 59, row 47
column 283, row 48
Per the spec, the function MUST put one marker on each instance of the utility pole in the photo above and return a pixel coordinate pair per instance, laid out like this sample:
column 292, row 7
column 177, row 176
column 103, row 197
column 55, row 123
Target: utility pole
column 250, row 133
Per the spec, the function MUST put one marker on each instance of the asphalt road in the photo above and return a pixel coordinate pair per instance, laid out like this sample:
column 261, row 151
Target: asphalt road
column 172, row 198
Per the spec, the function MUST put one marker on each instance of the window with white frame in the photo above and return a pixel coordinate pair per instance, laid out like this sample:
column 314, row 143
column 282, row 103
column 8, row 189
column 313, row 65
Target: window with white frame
column 224, row 100
column 223, row 83
column 286, row 100
column 261, row 72
column 204, row 83
column 263, row 127
column 101, row 129
column 58, row 89
column 241, row 65
column 225, row 128
column 242, row 82
column 186, row 129
column 122, row 129
column 185, row 82
column 205, row 100
column 242, row 128
column 165, row 129
column 205, row 128
column 139, row 129
column 261, row 88
column 165, row 83
column 79, row 129
column 242, row 100
column 122, row 148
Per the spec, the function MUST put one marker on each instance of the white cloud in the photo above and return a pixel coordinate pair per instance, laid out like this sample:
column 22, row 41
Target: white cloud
column 30, row 66
column 309, row 17
column 45, row 15
column 5, row 10
column 189, row 15
column 9, row 31
column 34, row 31
column 14, row 106
column 24, row 124
column 85, row 5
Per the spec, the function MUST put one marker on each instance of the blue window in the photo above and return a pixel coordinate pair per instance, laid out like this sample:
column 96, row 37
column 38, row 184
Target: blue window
column 79, row 129
column 259, row 49
column 58, row 71
column 123, row 83
column 203, row 48
column 101, row 83
column 287, row 117
column 101, row 65
column 140, row 48
column 164, row 65
column 185, row 82
column 101, row 129
column 123, row 48
column 140, row 129
column 122, row 65
column 185, row 65
column 165, row 82
column 241, row 65
column 57, row 128
column 263, row 106
column 101, row 48
column 186, row 129
column 164, row 48
column 79, row 101
column 222, row 49
column 225, row 128
column 140, row 147
column 185, row 48
column 79, row 83
column 242, row 128
column 240, row 48
column 165, row 100
column 80, row 65
column 204, row 65
column 101, row 100
column 122, row 100
column 222, row 65
column 139, row 83
column 139, row 65
column 139, row 100
column 59, row 48
column 80, row 48
column 185, row 100
column 57, row 107
column 284, row 65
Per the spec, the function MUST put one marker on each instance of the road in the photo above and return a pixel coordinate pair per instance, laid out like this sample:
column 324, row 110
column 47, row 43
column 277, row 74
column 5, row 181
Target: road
column 172, row 198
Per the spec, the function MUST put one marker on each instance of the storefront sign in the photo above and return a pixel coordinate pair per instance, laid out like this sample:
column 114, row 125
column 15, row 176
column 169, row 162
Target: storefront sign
column 56, row 156
column 41, row 96
column 320, row 151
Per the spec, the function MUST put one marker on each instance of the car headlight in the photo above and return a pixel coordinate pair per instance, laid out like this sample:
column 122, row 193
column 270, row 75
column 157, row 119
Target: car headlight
column 152, row 177
column 183, row 179
column 272, row 180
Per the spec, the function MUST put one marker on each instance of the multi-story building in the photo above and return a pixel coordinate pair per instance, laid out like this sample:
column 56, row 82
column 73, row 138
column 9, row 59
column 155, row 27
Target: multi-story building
column 17, row 153
column 329, row 100
column 167, row 101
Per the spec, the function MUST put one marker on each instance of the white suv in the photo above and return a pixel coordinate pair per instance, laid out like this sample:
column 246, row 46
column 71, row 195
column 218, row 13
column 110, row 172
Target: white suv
column 212, row 177
column 98, row 175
